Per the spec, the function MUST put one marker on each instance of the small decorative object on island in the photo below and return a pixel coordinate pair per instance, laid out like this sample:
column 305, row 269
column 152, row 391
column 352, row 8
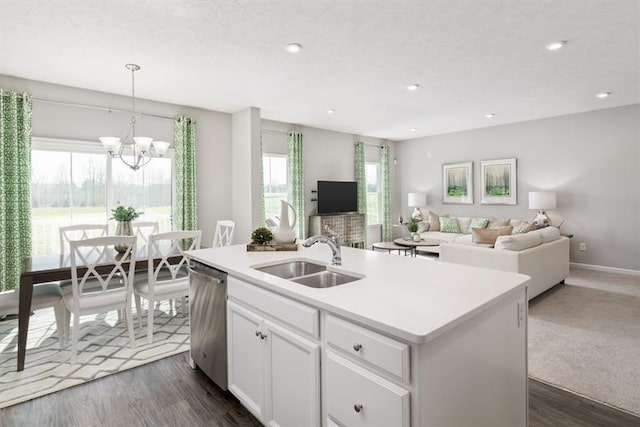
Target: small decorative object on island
column 261, row 236
column 285, row 232
column 124, row 216
column 262, row 240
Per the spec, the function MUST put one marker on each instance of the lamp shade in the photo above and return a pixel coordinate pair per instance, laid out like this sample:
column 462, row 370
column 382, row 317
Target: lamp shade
column 417, row 199
column 542, row 200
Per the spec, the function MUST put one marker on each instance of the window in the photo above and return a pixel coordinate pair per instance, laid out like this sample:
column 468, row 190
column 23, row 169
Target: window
column 76, row 182
column 373, row 192
column 274, row 167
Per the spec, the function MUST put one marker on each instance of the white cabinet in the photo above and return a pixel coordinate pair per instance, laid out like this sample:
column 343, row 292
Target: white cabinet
column 358, row 397
column 273, row 371
column 293, row 378
column 246, row 358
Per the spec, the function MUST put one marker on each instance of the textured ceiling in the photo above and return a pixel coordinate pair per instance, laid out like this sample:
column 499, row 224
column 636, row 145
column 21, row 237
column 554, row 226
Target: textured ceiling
column 470, row 57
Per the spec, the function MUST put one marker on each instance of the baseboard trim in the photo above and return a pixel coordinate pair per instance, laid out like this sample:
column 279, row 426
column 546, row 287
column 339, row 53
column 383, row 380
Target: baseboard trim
column 605, row 269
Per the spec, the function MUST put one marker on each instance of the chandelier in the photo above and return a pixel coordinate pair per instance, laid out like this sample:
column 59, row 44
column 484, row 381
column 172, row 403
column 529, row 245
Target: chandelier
column 134, row 151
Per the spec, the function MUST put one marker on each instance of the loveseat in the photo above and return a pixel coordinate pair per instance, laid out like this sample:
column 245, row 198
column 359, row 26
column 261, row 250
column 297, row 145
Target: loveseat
column 542, row 254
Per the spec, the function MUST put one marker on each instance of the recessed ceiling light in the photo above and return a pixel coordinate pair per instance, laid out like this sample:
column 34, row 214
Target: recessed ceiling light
column 331, row 111
column 556, row 45
column 603, row 95
column 294, row 47
column 490, row 115
column 413, row 129
column 413, row 86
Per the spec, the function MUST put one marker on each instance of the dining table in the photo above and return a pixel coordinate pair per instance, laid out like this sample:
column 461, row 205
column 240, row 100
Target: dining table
column 51, row 268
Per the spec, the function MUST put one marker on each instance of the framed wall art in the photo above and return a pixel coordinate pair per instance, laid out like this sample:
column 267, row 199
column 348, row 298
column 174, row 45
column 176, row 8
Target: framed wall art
column 499, row 182
column 457, row 183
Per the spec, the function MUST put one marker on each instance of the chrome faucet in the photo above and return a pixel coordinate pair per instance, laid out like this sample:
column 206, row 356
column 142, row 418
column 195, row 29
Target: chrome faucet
column 333, row 240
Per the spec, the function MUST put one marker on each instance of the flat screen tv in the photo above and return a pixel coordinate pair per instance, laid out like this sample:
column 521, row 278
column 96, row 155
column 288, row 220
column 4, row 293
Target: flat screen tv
column 337, row 197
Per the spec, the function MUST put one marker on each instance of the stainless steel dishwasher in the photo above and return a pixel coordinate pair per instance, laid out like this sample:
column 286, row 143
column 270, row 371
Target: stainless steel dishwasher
column 208, row 321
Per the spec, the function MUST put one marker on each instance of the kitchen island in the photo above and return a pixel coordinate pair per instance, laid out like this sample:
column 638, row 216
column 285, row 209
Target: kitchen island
column 412, row 342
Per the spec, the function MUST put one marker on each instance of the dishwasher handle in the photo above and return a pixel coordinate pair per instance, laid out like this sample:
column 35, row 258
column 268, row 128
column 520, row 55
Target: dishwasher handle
column 206, row 277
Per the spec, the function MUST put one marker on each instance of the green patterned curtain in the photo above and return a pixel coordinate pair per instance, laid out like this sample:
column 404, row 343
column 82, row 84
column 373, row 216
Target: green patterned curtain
column 15, row 190
column 359, row 167
column 385, row 192
column 184, row 139
column 295, row 175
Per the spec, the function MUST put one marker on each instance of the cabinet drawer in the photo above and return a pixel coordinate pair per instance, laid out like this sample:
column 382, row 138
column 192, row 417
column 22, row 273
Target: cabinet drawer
column 385, row 353
column 357, row 397
column 293, row 313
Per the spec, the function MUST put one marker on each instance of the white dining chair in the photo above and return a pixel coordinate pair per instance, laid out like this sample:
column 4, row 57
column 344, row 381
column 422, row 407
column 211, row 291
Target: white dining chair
column 142, row 230
column 165, row 280
column 44, row 296
column 79, row 232
column 224, row 233
column 115, row 285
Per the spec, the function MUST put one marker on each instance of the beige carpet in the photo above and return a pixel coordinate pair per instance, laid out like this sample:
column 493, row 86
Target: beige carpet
column 584, row 336
column 103, row 350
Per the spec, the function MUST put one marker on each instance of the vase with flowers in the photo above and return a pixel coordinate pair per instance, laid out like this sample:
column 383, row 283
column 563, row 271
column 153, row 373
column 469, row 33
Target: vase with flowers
column 124, row 215
column 412, row 227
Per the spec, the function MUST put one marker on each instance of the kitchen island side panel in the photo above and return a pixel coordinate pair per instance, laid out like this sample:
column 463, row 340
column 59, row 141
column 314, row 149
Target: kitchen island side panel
column 481, row 362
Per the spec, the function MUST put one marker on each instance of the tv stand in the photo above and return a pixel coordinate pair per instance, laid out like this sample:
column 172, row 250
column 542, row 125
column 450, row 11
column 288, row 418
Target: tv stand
column 350, row 226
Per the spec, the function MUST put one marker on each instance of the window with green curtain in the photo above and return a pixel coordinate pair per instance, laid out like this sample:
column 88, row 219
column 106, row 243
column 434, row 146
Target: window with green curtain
column 185, row 145
column 359, row 168
column 361, row 176
column 15, row 192
column 295, row 178
column 385, row 192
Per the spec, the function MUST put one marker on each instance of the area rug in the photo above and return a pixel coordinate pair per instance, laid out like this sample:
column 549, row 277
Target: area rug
column 103, row 350
column 584, row 336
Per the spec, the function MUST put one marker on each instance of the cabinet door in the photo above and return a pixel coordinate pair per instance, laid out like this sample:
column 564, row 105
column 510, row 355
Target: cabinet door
column 357, row 397
column 293, row 379
column 246, row 357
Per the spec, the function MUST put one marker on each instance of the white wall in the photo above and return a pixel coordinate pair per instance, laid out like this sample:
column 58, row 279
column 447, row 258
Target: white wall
column 213, row 134
column 246, row 160
column 592, row 161
column 328, row 155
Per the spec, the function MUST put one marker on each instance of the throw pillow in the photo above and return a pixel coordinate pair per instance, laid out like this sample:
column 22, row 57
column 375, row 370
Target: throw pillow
column 498, row 222
column 434, row 221
column 489, row 235
column 478, row 223
column 449, row 225
column 463, row 223
column 524, row 227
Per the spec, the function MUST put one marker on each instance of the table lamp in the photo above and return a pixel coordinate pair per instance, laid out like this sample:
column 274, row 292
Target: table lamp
column 415, row 201
column 542, row 200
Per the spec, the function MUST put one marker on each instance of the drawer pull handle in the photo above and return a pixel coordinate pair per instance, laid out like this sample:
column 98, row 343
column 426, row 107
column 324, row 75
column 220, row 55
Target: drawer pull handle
column 357, row 407
column 260, row 335
column 357, row 347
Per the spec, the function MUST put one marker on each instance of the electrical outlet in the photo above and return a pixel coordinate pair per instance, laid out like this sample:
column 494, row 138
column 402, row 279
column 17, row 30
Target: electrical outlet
column 583, row 246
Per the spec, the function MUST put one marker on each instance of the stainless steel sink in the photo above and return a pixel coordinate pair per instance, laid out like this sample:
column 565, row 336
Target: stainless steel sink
column 325, row 279
column 291, row 269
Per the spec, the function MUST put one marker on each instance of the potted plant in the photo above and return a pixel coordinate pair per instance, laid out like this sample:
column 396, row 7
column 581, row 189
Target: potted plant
column 124, row 216
column 261, row 236
column 412, row 226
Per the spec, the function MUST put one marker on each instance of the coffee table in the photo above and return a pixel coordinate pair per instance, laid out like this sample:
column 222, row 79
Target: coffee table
column 390, row 246
column 432, row 244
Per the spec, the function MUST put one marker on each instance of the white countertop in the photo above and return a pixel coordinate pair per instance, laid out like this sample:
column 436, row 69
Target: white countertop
column 412, row 299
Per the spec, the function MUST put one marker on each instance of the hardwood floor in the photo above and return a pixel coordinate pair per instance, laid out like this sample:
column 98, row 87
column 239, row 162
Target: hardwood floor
column 169, row 393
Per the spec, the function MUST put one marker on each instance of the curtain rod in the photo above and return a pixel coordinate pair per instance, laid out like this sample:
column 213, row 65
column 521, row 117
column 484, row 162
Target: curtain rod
column 369, row 144
column 276, row 131
column 93, row 107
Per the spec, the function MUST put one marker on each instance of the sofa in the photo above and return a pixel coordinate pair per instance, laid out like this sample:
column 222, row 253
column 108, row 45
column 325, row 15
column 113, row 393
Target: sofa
column 542, row 254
